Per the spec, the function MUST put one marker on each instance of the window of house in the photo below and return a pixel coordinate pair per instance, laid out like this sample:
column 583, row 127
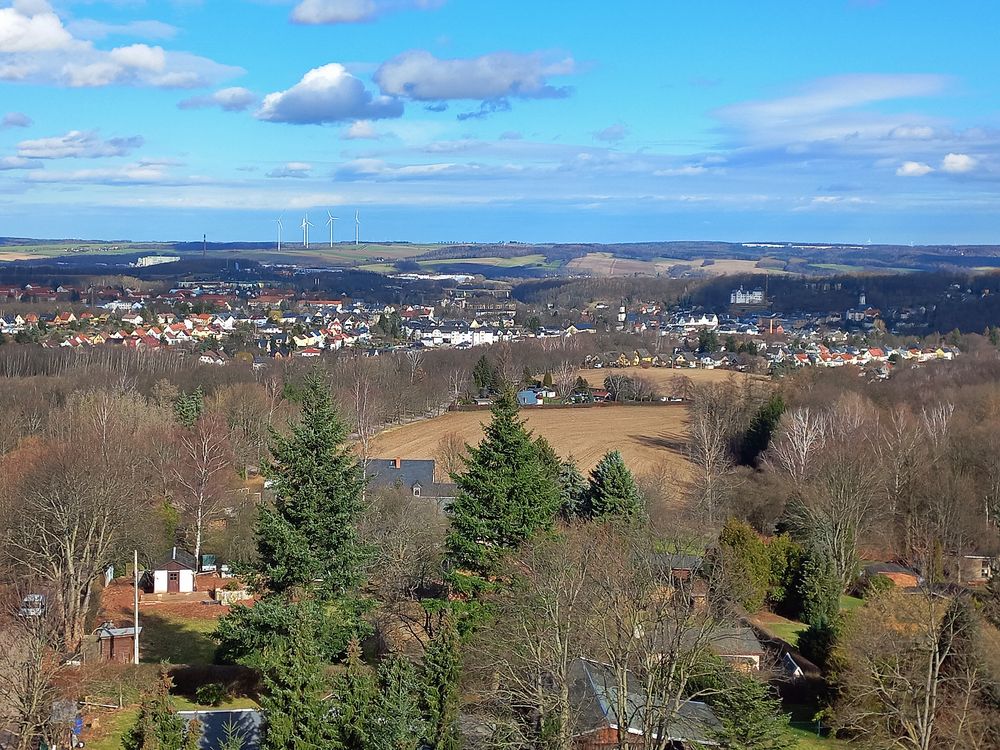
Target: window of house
column 416, row 490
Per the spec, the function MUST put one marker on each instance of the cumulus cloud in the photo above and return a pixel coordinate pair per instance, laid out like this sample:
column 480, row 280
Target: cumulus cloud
column 421, row 76
column 36, row 47
column 612, row 133
column 352, row 11
column 361, row 130
column 15, row 120
column 327, row 94
column 291, row 169
column 77, row 144
column 913, row 169
column 958, row 163
column 378, row 170
column 233, row 99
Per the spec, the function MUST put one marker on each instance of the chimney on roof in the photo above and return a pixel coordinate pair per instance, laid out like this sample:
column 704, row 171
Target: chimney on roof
column 397, row 462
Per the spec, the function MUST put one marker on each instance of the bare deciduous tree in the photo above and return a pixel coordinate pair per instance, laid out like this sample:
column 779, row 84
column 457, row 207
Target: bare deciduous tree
column 202, row 473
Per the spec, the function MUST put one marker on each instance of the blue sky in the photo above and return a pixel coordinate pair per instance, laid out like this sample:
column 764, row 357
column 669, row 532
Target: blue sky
column 562, row 120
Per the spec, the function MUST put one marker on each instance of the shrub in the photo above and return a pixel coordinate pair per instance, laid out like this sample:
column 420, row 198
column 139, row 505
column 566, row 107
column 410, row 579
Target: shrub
column 211, row 694
column 876, row 586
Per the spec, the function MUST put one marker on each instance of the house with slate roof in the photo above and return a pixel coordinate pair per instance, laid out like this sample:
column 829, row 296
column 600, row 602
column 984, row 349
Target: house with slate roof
column 415, row 476
column 596, row 703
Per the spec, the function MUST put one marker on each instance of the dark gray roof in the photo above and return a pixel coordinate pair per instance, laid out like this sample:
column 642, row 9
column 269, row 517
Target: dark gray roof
column 382, row 472
column 876, row 568
column 665, row 561
column 178, row 555
column 594, row 696
column 735, row 641
column 247, row 723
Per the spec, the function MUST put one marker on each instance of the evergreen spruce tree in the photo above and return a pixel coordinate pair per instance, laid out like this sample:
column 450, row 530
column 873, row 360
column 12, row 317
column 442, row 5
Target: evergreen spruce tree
column 548, row 458
column 572, row 490
column 398, row 721
column 295, row 714
column 504, row 496
column 192, row 735
column 439, row 693
column 612, row 492
column 310, row 534
column 189, row 406
column 818, row 588
column 762, row 426
column 483, row 374
column 356, row 697
column 750, row 717
column 157, row 727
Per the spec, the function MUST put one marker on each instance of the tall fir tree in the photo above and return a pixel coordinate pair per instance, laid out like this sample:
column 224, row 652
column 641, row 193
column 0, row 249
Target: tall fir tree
column 483, row 374
column 310, row 535
column 505, row 496
column 440, row 702
column 356, row 696
column 157, row 727
column 572, row 490
column 295, row 714
column 612, row 492
column 309, row 558
column 750, row 718
column 189, row 406
column 399, row 724
column 548, row 458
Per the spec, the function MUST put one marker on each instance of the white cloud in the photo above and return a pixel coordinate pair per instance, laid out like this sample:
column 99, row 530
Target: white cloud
column 352, row 11
column 77, row 144
column 958, row 163
column 612, row 133
column 15, row 120
column 421, row 76
column 291, row 169
column 913, row 169
column 327, row 94
column 31, row 28
column 17, row 162
column 87, row 28
column 233, row 99
column 361, row 130
column 130, row 174
column 36, row 47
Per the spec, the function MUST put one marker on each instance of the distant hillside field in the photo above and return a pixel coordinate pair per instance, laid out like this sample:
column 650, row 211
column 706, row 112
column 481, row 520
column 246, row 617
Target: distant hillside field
column 663, row 377
column 647, row 436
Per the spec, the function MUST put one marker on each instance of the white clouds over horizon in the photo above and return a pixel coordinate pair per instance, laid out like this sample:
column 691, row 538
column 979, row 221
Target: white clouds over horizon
column 77, row 144
column 327, row 94
column 232, row 99
column 36, row 47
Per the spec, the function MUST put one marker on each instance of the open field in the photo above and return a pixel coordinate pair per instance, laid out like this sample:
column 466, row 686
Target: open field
column 647, row 436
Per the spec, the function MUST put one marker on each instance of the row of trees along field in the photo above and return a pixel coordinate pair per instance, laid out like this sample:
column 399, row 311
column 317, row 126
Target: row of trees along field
column 381, row 621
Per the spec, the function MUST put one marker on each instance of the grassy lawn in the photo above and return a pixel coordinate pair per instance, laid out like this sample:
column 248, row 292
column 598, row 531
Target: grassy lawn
column 177, row 640
column 850, row 603
column 183, row 704
column 787, row 630
column 807, row 740
column 113, row 726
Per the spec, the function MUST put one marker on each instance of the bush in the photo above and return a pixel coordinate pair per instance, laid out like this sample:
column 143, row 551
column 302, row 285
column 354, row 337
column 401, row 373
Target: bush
column 876, row 586
column 746, row 564
column 211, row 694
column 817, row 641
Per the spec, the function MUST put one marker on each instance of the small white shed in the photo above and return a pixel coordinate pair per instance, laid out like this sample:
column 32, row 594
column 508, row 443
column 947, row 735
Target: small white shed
column 176, row 574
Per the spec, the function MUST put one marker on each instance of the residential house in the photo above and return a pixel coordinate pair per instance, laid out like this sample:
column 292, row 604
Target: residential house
column 901, row 576
column 975, row 568
column 415, row 476
column 601, row 714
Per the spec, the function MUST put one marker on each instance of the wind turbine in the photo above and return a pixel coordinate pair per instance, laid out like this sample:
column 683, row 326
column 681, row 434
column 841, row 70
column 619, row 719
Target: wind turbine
column 279, row 233
column 357, row 228
column 305, row 230
column 330, row 222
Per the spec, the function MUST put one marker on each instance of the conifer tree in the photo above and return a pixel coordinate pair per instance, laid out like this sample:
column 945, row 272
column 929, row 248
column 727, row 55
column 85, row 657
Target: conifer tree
column 439, row 694
column 310, row 534
column 399, row 724
column 157, row 727
column 189, row 406
column 356, row 696
column 483, row 373
column 548, row 458
column 572, row 490
column 192, row 736
column 504, row 494
column 612, row 491
column 750, row 717
column 295, row 714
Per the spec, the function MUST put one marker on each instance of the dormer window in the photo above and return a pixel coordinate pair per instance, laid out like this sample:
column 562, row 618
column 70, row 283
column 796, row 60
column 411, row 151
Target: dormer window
column 416, row 490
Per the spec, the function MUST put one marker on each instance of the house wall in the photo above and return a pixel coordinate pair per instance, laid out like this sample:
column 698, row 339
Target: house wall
column 160, row 581
column 119, row 649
